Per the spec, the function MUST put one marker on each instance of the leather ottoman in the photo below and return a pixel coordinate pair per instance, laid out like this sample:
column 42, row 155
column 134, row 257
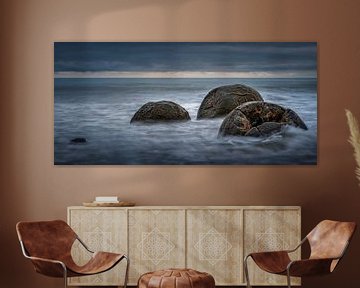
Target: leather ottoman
column 176, row 278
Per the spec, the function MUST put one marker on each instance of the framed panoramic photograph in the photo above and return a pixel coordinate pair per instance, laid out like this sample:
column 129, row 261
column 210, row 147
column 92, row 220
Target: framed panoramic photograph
column 171, row 103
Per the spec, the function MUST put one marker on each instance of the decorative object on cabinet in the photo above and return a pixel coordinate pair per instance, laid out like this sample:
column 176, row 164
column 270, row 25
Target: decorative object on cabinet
column 204, row 238
column 48, row 245
column 192, row 103
column 109, row 204
column 328, row 242
column 176, row 278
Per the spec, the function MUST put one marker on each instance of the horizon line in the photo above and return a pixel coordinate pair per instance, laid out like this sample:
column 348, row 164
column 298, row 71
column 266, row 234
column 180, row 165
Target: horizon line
column 183, row 74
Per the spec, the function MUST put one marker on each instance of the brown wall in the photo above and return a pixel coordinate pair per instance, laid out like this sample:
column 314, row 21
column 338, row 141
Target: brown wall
column 33, row 188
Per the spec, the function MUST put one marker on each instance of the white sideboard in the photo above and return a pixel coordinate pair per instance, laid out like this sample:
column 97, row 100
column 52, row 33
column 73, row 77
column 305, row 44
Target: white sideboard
column 212, row 239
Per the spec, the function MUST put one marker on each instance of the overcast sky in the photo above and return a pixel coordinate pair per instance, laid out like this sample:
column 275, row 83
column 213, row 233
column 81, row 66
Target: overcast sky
column 230, row 59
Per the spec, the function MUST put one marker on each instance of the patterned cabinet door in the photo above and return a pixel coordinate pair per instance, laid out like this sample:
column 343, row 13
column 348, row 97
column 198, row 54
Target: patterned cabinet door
column 101, row 230
column 156, row 241
column 270, row 230
column 214, row 244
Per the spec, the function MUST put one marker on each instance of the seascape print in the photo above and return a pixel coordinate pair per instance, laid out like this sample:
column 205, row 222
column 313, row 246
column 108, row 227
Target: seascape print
column 171, row 103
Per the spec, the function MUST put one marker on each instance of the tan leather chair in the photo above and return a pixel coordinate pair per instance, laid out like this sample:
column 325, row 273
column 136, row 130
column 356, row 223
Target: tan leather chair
column 328, row 242
column 48, row 245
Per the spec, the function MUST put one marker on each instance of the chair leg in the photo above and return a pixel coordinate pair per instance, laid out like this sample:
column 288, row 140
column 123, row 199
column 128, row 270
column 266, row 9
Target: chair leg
column 127, row 271
column 65, row 276
column 288, row 278
column 246, row 270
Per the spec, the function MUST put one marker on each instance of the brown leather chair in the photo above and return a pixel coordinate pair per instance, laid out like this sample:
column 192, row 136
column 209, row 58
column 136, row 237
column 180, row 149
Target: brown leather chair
column 328, row 242
column 48, row 245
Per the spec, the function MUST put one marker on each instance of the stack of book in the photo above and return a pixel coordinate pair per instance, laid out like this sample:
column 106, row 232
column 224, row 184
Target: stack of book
column 106, row 199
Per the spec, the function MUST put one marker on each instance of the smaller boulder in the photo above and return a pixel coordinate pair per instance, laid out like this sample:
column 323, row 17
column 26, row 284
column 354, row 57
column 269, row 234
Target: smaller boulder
column 160, row 111
column 259, row 118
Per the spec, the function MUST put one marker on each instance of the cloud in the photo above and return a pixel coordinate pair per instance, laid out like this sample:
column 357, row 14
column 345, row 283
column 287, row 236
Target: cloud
column 184, row 56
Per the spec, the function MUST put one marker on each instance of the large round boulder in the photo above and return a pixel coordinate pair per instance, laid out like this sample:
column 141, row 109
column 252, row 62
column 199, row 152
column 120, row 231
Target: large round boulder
column 160, row 111
column 259, row 118
column 222, row 100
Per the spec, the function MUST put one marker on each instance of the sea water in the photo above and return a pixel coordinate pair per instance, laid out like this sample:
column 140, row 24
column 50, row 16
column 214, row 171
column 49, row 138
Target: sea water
column 100, row 110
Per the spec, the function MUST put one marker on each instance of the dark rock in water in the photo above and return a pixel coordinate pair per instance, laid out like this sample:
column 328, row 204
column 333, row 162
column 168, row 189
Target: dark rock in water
column 235, row 123
column 265, row 129
column 160, row 111
column 292, row 118
column 259, row 118
column 79, row 140
column 222, row 100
